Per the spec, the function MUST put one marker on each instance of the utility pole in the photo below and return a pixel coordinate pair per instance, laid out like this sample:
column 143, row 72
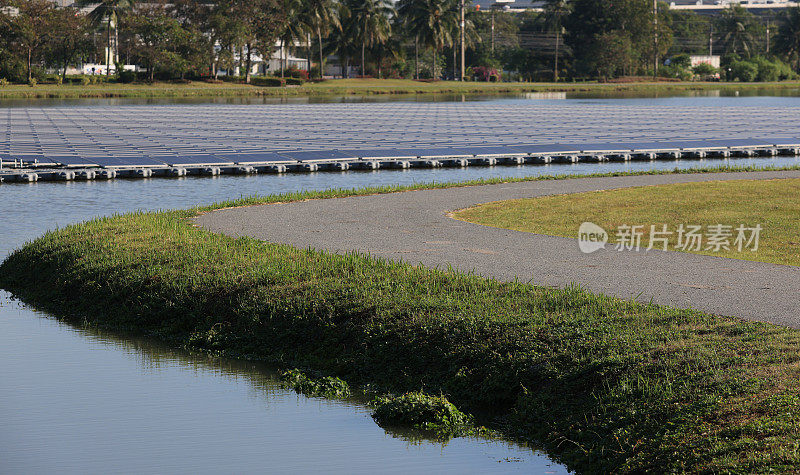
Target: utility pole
column 711, row 43
column 655, row 39
column 463, row 26
column 767, row 38
column 492, row 30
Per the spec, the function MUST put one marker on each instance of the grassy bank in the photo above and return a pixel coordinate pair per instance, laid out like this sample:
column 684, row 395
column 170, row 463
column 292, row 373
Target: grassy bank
column 343, row 87
column 772, row 204
column 602, row 384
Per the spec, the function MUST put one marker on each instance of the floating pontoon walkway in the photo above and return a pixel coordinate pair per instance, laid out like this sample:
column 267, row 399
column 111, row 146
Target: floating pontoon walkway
column 55, row 168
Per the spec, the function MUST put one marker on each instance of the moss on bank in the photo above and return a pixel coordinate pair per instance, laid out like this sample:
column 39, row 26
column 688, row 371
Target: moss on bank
column 603, row 384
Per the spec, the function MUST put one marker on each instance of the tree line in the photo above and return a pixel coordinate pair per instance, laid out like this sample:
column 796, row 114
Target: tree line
column 568, row 39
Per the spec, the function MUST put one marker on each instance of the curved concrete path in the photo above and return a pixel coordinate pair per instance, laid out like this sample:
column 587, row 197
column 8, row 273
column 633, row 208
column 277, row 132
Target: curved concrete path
column 414, row 227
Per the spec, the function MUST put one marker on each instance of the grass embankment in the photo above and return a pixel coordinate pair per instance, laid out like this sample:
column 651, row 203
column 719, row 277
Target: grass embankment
column 343, row 87
column 602, row 384
column 773, row 204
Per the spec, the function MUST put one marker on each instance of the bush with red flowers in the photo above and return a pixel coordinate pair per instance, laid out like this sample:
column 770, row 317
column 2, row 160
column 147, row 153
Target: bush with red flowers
column 486, row 74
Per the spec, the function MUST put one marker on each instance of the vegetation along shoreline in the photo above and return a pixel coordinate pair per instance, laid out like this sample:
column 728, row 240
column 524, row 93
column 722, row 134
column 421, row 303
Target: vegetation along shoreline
column 649, row 387
column 370, row 87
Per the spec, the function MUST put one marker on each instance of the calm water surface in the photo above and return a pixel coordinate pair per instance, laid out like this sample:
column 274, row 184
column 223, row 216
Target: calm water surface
column 74, row 400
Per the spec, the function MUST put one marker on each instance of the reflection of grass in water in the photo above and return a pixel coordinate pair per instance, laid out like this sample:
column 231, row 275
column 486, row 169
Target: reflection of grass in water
column 604, row 384
column 154, row 355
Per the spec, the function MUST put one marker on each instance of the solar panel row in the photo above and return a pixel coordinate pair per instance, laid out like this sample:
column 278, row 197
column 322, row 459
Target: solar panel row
column 249, row 134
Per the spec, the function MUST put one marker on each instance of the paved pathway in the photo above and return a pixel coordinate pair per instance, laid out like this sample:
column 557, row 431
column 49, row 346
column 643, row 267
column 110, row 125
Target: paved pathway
column 414, row 227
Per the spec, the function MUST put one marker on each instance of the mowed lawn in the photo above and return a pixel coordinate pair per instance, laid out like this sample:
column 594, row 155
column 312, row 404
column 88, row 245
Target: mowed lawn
column 772, row 204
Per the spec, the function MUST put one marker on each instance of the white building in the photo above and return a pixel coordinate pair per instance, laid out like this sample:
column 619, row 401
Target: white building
column 273, row 65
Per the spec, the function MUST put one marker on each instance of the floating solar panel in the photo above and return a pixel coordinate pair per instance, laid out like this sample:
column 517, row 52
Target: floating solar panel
column 786, row 142
column 32, row 159
column 120, row 162
column 498, row 150
column 449, row 152
column 259, row 157
column 188, row 160
column 304, row 156
column 147, row 135
column 385, row 154
column 73, row 161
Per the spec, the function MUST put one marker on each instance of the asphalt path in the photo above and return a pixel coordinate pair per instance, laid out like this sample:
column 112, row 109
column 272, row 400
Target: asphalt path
column 415, row 227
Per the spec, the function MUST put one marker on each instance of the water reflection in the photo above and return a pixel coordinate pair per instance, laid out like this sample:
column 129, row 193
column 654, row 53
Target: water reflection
column 78, row 400
column 595, row 93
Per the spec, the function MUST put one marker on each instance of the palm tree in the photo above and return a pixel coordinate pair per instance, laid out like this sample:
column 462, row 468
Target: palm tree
column 432, row 22
column 788, row 40
column 343, row 40
column 471, row 35
column 108, row 11
column 554, row 13
column 412, row 17
column 371, row 21
column 739, row 29
column 294, row 29
column 320, row 17
column 437, row 31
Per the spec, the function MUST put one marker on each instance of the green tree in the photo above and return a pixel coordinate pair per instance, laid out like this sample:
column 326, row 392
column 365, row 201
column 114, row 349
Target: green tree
column 69, row 37
column 321, row 16
column 343, row 40
column 691, row 32
column 196, row 17
column 294, row 30
column 633, row 19
column 30, row 31
column 109, row 12
column 555, row 11
column 739, row 29
column 437, row 29
column 370, row 22
column 788, row 39
column 157, row 38
column 412, row 18
column 266, row 21
column 614, row 54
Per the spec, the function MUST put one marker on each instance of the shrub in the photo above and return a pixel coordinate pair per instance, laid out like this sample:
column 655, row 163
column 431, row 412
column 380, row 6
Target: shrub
column 772, row 70
column 676, row 71
column 230, row 78
column 127, row 77
column 267, row 81
column 743, row 71
column 295, row 72
column 705, row 70
column 3, row 82
column 86, row 80
column 485, row 73
column 421, row 411
column 681, row 61
column 32, row 82
column 767, row 70
column 325, row 386
column 295, row 81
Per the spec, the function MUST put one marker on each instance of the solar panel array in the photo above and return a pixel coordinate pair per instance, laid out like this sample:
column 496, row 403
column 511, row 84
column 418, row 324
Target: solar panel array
column 185, row 135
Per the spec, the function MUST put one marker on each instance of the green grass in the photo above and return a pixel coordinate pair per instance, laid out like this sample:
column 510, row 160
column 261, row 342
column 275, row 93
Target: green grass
column 366, row 87
column 602, row 384
column 772, row 204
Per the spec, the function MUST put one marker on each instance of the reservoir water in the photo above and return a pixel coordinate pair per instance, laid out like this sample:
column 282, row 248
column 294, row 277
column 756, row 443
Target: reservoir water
column 76, row 400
